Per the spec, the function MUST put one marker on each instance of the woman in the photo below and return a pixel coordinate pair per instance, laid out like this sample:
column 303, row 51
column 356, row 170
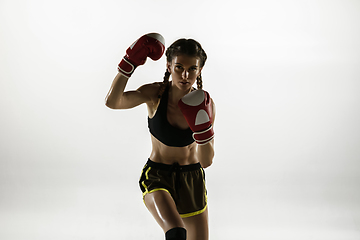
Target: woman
column 180, row 121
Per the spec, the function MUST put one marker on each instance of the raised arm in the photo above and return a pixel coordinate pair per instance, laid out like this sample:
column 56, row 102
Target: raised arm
column 118, row 99
column 150, row 45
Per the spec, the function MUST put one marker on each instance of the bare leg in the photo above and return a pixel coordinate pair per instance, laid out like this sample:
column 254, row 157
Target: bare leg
column 197, row 226
column 163, row 208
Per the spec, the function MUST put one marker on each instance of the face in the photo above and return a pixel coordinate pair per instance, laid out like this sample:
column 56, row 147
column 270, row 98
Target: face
column 184, row 71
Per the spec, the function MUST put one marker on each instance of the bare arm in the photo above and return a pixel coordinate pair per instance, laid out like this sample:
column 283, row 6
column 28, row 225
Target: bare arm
column 206, row 153
column 118, row 99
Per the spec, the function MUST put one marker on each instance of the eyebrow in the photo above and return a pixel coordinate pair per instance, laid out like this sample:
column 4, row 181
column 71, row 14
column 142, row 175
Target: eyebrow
column 191, row 66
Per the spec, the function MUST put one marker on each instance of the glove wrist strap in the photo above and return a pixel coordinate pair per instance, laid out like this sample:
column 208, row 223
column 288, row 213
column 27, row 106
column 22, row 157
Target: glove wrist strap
column 126, row 68
column 205, row 136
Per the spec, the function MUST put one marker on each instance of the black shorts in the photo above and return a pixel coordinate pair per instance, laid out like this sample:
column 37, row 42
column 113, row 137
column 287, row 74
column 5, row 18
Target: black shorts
column 185, row 184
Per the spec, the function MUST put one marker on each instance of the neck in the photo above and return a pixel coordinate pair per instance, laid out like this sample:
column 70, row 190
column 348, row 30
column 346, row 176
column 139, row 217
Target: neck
column 175, row 94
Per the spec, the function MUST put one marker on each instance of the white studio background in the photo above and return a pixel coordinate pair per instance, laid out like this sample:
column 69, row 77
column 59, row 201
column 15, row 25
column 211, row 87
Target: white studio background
column 285, row 78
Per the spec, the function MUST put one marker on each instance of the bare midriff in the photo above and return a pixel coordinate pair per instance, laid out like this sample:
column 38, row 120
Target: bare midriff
column 170, row 155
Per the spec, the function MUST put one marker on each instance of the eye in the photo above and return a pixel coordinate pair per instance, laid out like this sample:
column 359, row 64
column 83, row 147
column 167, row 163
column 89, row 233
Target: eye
column 178, row 67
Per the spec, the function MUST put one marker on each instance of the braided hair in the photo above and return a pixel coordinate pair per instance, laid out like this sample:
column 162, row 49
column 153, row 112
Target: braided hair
column 188, row 47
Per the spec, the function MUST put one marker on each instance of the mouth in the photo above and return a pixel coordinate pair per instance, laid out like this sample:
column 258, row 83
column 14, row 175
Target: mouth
column 184, row 82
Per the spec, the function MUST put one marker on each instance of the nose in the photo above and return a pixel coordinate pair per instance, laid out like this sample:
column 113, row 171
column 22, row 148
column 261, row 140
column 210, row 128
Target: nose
column 185, row 74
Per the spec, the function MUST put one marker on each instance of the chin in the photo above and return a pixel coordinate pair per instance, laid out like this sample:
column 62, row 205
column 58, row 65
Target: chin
column 185, row 87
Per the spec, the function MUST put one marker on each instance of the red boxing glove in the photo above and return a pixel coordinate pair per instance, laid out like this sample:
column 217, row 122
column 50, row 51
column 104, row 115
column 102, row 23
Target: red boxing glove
column 151, row 45
column 197, row 110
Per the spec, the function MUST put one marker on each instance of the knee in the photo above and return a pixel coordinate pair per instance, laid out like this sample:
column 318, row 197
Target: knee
column 177, row 233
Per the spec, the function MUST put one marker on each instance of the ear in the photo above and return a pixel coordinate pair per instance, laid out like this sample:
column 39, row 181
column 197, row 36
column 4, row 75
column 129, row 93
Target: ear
column 200, row 71
column 168, row 67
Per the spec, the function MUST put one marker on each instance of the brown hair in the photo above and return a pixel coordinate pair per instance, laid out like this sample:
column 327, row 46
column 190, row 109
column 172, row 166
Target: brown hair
column 188, row 47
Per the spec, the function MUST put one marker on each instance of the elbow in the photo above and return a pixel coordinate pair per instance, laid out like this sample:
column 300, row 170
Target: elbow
column 208, row 162
column 111, row 104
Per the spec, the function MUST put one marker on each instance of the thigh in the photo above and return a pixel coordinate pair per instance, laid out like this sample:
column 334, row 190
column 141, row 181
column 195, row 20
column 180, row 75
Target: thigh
column 197, row 226
column 162, row 206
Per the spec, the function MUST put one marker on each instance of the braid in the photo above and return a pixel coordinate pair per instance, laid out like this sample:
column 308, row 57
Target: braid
column 199, row 82
column 164, row 83
column 188, row 47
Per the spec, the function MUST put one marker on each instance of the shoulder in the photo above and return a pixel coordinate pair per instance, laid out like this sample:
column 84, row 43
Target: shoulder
column 151, row 91
column 150, row 87
column 213, row 109
column 213, row 104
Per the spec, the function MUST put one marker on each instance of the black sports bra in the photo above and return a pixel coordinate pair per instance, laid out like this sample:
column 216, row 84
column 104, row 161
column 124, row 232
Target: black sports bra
column 163, row 131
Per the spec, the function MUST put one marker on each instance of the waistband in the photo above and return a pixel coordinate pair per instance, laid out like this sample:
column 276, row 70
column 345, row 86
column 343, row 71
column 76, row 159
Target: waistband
column 174, row 167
